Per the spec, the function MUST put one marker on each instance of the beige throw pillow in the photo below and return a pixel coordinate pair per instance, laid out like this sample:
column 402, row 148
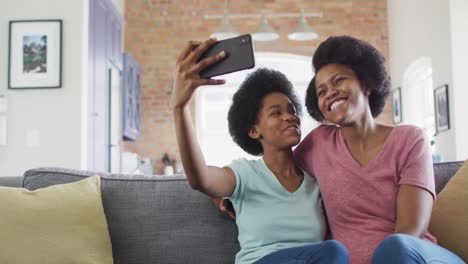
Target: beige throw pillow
column 59, row 224
column 449, row 221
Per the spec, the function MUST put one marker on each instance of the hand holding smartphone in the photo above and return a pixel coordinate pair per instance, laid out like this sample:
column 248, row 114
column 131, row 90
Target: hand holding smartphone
column 239, row 56
column 199, row 61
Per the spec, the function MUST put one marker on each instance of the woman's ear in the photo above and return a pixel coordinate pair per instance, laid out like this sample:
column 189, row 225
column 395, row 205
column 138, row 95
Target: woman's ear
column 254, row 133
column 364, row 89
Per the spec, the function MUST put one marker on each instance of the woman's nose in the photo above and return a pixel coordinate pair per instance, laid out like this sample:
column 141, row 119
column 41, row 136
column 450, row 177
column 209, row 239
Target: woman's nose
column 332, row 92
column 289, row 117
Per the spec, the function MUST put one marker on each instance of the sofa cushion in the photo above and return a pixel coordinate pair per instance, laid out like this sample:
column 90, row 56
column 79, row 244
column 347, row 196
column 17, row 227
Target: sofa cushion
column 155, row 219
column 450, row 214
column 443, row 171
column 59, row 224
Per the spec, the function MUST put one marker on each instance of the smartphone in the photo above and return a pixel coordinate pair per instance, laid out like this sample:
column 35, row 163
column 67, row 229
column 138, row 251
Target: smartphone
column 239, row 56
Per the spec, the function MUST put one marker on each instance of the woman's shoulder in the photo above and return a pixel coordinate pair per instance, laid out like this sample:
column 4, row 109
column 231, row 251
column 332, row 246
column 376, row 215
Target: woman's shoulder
column 322, row 131
column 409, row 131
column 243, row 164
column 406, row 137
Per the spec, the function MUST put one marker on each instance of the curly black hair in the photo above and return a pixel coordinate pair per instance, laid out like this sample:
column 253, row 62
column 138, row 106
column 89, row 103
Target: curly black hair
column 366, row 62
column 247, row 102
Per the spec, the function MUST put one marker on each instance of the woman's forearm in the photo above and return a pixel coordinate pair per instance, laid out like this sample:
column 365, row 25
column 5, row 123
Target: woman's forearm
column 414, row 206
column 192, row 158
column 214, row 181
column 410, row 230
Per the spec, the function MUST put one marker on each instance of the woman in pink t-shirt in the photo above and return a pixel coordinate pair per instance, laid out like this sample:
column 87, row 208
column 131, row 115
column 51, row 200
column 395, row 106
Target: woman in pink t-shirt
column 376, row 181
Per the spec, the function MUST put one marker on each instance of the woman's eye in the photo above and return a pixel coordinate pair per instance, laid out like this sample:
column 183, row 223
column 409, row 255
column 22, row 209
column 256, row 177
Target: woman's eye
column 275, row 113
column 321, row 93
column 339, row 80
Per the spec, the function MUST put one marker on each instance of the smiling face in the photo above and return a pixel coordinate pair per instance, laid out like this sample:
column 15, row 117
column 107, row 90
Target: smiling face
column 341, row 98
column 278, row 124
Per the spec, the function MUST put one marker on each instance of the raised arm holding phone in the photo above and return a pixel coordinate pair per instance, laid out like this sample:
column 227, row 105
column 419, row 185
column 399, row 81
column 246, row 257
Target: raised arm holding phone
column 278, row 206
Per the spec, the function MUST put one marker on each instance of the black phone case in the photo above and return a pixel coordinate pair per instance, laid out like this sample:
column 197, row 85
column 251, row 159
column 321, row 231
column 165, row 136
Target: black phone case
column 240, row 56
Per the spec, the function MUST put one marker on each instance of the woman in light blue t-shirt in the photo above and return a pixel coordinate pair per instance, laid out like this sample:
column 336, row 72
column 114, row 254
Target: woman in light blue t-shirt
column 279, row 211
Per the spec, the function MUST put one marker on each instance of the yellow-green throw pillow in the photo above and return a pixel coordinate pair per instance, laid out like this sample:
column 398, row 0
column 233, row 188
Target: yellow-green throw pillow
column 449, row 221
column 59, row 224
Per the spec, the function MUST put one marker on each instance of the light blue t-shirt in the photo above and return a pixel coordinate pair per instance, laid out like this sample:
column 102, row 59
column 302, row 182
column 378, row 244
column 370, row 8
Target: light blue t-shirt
column 269, row 217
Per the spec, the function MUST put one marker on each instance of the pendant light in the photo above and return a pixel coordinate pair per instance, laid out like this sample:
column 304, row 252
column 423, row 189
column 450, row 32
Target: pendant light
column 225, row 29
column 303, row 31
column 265, row 31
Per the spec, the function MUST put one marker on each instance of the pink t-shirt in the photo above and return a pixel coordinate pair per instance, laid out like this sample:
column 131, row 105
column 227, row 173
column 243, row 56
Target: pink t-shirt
column 360, row 201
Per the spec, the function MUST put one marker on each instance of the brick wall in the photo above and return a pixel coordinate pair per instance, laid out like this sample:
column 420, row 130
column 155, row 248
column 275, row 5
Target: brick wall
column 156, row 30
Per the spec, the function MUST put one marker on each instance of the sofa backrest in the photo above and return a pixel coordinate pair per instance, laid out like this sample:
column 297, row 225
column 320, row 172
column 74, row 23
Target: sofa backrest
column 444, row 171
column 11, row 181
column 154, row 219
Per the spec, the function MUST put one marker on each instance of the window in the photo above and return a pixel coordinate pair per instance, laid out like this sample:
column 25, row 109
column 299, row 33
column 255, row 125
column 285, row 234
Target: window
column 417, row 95
column 213, row 102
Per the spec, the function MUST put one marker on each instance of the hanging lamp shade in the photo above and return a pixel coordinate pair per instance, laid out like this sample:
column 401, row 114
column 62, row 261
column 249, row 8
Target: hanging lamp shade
column 303, row 31
column 225, row 30
column 265, row 31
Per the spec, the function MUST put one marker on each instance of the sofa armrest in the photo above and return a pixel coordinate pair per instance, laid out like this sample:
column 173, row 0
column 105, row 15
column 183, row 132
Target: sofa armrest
column 11, row 181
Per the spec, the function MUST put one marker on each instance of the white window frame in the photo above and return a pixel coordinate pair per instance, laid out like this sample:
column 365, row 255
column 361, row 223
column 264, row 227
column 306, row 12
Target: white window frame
column 212, row 104
column 418, row 96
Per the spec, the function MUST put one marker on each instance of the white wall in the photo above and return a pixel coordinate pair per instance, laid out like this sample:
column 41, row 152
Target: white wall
column 459, row 38
column 420, row 28
column 53, row 115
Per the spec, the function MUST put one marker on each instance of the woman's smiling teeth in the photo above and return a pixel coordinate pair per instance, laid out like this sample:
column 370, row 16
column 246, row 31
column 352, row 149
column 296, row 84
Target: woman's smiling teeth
column 336, row 104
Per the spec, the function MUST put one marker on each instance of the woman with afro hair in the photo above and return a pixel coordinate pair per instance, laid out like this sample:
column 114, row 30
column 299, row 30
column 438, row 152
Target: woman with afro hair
column 279, row 211
column 377, row 181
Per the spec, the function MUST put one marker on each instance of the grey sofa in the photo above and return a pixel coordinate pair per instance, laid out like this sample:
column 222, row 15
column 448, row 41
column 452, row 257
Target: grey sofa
column 161, row 219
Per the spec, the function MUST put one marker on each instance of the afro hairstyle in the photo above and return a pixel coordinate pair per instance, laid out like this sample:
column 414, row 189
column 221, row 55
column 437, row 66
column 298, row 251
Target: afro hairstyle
column 366, row 62
column 247, row 102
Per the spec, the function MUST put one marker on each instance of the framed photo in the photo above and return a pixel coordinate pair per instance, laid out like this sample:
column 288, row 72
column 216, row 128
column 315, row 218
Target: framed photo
column 396, row 106
column 441, row 104
column 35, row 54
column 131, row 98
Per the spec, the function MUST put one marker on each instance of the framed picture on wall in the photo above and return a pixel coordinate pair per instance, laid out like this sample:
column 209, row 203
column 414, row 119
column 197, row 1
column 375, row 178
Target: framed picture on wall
column 35, row 54
column 441, row 104
column 396, row 106
column 131, row 98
